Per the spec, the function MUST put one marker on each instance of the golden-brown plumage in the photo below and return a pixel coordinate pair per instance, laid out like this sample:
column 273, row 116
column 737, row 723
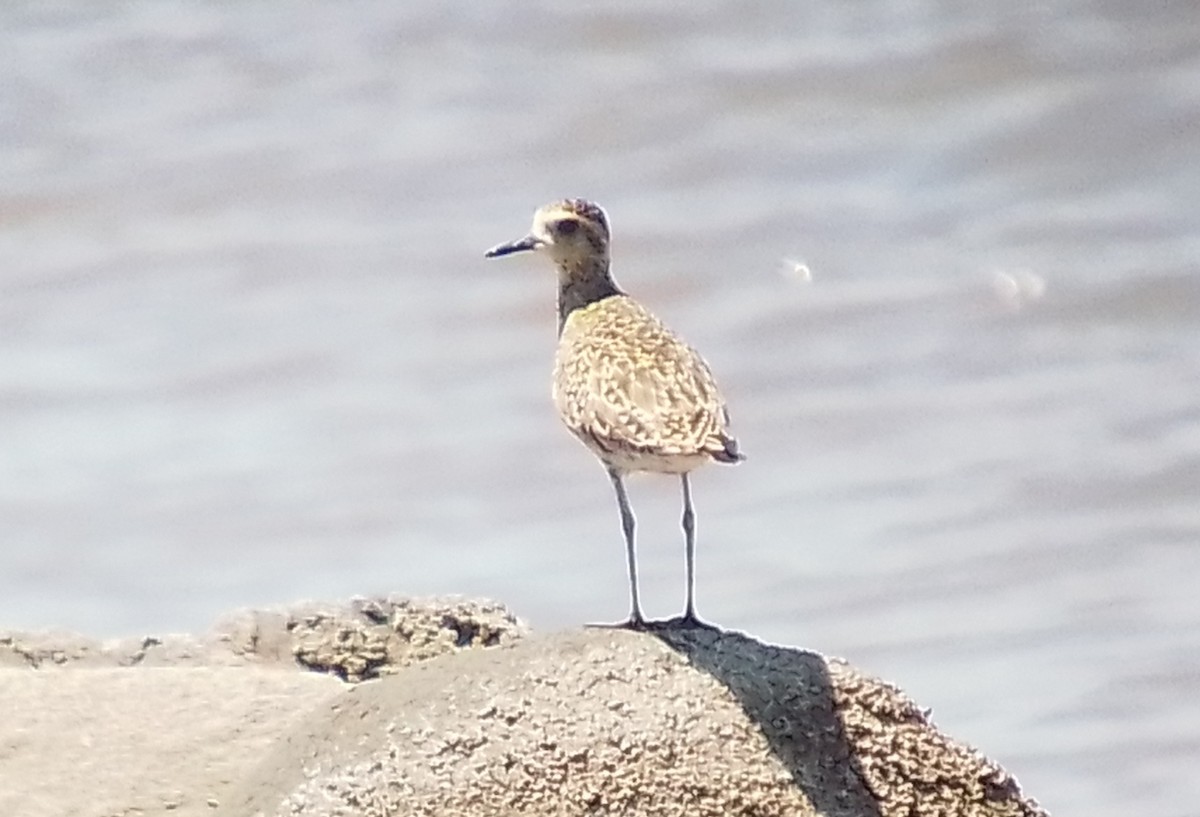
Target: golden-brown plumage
column 635, row 394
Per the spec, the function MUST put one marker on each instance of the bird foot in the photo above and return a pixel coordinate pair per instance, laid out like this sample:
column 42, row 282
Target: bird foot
column 687, row 621
column 636, row 624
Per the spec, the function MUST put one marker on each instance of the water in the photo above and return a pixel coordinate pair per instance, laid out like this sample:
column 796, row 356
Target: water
column 250, row 351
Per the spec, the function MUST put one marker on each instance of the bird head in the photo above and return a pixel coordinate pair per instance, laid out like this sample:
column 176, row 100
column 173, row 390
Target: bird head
column 572, row 232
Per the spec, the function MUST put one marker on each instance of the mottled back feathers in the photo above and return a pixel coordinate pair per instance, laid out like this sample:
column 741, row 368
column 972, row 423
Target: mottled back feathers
column 635, row 394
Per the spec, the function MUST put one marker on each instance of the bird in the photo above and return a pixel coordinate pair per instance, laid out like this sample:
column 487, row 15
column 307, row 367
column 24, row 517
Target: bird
column 631, row 390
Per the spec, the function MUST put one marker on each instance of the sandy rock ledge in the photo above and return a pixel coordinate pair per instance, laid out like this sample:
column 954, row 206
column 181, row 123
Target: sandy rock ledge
column 354, row 640
column 466, row 715
column 167, row 724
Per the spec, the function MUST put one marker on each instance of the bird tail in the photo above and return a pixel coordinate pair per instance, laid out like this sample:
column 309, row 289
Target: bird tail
column 725, row 449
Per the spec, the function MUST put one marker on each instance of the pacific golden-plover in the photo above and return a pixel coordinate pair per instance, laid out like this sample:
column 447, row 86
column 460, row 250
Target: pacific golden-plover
column 635, row 394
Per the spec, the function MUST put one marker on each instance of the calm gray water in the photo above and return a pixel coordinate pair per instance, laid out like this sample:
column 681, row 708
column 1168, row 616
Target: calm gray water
column 250, row 351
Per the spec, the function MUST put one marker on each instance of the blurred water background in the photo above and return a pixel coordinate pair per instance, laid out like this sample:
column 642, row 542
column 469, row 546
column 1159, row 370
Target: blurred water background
column 943, row 258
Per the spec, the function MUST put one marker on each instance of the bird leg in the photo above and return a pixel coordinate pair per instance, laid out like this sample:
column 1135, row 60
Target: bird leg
column 636, row 620
column 689, row 534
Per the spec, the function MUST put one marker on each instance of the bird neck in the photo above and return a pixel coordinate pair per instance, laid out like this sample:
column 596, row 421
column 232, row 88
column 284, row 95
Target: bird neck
column 581, row 284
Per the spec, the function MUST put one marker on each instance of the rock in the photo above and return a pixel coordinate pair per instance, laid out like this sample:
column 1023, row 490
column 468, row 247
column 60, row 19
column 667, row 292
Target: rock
column 467, row 715
column 166, row 724
column 673, row 721
column 377, row 636
column 354, row 641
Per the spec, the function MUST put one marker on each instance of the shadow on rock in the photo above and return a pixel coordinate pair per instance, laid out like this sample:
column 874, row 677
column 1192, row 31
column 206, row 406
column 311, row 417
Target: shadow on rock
column 788, row 693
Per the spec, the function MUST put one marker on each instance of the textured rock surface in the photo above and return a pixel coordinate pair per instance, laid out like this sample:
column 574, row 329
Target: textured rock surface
column 600, row 722
column 354, row 640
column 377, row 637
column 679, row 721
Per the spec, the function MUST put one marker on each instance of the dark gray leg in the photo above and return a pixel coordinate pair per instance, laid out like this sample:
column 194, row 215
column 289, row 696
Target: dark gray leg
column 689, row 533
column 636, row 620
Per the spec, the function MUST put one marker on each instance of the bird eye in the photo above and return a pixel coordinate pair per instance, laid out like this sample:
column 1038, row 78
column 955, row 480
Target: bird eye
column 567, row 226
